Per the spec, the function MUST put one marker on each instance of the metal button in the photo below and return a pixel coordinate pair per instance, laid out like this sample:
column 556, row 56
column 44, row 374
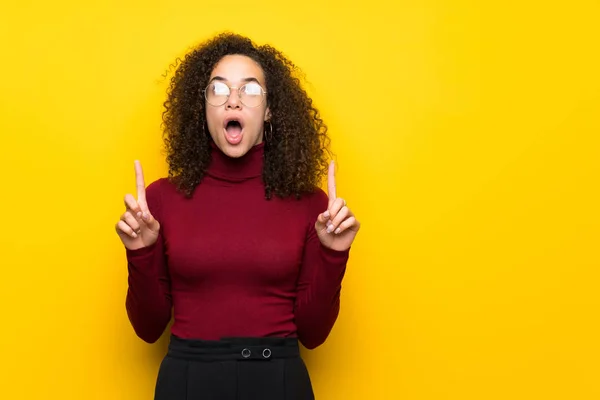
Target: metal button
column 246, row 353
column 266, row 353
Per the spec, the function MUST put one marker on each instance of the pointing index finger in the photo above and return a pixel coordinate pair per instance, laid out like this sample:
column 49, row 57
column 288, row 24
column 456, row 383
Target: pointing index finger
column 141, row 186
column 331, row 189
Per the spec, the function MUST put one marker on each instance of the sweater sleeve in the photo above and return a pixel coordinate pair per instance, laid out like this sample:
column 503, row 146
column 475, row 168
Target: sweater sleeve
column 319, row 284
column 148, row 300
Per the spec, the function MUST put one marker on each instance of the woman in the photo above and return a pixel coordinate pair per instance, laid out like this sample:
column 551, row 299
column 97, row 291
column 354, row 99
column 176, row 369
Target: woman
column 239, row 241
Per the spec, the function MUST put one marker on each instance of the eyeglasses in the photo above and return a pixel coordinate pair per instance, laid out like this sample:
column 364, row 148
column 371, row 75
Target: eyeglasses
column 251, row 94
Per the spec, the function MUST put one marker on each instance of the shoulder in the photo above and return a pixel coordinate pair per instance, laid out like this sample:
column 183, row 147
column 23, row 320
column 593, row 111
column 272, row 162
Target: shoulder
column 315, row 201
column 319, row 197
column 158, row 187
column 159, row 191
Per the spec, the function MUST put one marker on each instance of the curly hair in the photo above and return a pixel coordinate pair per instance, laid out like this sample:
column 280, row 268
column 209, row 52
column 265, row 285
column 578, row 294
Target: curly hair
column 296, row 153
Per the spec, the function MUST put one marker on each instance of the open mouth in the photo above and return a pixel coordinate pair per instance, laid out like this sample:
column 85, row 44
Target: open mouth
column 233, row 131
column 233, row 124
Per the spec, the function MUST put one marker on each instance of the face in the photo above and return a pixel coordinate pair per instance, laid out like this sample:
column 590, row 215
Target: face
column 237, row 124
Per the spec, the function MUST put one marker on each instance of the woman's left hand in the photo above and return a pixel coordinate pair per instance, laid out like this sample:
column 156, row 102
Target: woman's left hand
column 337, row 226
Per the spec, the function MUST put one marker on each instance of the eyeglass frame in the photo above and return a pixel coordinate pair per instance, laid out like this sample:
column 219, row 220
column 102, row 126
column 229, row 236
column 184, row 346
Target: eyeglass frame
column 264, row 92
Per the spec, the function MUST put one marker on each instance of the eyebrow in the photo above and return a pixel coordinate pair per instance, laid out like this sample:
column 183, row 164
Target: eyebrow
column 245, row 80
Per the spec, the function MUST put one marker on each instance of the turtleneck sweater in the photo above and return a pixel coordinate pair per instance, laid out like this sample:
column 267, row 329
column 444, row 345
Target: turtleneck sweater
column 230, row 263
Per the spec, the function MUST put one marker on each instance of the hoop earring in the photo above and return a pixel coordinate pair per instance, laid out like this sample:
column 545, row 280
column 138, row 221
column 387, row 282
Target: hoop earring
column 268, row 135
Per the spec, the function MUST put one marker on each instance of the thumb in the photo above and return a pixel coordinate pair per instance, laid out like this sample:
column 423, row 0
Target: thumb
column 150, row 221
column 322, row 220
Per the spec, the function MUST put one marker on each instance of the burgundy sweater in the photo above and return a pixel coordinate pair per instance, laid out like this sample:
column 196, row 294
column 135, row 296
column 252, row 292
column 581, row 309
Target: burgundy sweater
column 228, row 262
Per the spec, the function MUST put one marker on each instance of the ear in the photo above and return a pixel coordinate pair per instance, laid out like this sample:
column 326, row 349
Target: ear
column 267, row 114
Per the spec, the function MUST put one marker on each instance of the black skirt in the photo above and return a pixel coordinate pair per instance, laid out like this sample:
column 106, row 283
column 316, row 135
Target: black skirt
column 233, row 369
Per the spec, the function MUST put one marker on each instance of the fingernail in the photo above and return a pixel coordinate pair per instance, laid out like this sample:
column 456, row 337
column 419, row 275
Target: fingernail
column 139, row 214
column 145, row 216
column 326, row 214
column 134, row 234
column 329, row 228
column 338, row 230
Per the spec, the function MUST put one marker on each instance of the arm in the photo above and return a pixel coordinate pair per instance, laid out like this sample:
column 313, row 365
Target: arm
column 148, row 301
column 319, row 284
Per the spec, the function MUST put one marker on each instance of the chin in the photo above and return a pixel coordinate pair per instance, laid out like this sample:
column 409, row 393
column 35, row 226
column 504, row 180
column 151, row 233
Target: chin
column 234, row 151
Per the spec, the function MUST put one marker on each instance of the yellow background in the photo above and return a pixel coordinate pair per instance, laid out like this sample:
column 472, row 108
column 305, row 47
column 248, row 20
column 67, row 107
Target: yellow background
column 466, row 136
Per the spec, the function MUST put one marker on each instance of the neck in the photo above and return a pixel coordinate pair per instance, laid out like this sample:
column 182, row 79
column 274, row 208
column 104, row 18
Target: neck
column 247, row 167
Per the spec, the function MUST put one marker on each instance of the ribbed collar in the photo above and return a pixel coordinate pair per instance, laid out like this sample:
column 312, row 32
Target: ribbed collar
column 247, row 167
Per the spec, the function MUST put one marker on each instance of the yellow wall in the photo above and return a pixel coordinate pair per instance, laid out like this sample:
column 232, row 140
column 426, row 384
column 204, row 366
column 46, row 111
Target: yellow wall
column 467, row 136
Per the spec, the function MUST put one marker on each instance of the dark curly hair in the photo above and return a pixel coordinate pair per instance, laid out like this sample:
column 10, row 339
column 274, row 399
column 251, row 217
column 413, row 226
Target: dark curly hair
column 296, row 154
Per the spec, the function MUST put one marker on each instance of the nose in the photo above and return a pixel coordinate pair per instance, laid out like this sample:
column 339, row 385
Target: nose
column 234, row 99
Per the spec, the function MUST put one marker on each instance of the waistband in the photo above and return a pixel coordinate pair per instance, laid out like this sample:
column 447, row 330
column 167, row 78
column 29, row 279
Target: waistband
column 233, row 348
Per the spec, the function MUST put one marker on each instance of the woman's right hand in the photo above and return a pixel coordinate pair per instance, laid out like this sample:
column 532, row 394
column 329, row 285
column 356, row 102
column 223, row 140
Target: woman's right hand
column 137, row 227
